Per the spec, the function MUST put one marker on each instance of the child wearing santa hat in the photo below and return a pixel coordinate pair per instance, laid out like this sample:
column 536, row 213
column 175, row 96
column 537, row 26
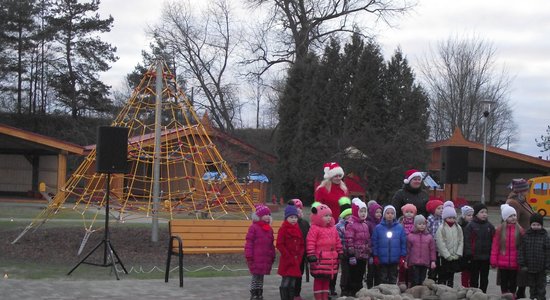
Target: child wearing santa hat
column 259, row 249
column 450, row 243
column 332, row 188
column 504, row 250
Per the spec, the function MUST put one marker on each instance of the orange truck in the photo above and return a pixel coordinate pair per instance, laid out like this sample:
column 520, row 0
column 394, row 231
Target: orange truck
column 539, row 194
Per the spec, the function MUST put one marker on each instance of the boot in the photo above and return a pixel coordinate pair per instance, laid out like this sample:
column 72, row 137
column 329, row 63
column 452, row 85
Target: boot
column 260, row 294
column 290, row 293
column 253, row 294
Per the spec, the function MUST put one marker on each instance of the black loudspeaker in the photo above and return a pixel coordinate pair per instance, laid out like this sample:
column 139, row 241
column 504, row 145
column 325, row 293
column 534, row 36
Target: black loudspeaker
column 454, row 165
column 112, row 149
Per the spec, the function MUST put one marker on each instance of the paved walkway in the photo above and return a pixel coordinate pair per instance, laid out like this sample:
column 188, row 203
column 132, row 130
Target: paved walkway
column 215, row 288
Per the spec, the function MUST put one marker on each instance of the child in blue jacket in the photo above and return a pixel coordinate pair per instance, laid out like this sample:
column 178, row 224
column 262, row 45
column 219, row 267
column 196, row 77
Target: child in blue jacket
column 389, row 245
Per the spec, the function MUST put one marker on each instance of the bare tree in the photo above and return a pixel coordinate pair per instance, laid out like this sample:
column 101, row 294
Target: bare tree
column 203, row 43
column 459, row 75
column 292, row 27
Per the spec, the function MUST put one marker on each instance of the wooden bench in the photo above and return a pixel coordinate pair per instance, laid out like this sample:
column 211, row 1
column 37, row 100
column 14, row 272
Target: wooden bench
column 191, row 236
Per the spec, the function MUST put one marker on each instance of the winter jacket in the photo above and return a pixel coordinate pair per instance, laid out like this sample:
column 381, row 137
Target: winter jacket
column 523, row 209
column 407, row 223
column 420, row 249
column 389, row 249
column 449, row 241
column 433, row 224
column 478, row 238
column 507, row 259
column 406, row 195
column 290, row 244
column 259, row 249
column 341, row 228
column 534, row 251
column 357, row 238
column 325, row 245
column 331, row 198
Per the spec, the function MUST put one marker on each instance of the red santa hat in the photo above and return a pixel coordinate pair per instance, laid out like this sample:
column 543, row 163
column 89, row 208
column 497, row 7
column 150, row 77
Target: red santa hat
column 410, row 174
column 332, row 169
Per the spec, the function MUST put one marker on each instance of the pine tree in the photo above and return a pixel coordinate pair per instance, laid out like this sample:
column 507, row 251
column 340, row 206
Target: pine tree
column 83, row 54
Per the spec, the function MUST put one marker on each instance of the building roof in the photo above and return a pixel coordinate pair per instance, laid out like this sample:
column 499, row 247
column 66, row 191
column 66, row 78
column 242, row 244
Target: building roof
column 496, row 158
column 18, row 141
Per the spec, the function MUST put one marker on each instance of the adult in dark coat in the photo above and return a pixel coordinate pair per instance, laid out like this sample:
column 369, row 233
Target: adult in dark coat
column 517, row 200
column 411, row 192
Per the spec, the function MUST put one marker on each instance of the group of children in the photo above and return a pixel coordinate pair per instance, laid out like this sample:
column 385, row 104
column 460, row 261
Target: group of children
column 369, row 240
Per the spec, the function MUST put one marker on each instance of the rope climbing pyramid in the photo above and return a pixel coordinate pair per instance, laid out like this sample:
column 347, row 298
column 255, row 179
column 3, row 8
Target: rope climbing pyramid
column 194, row 179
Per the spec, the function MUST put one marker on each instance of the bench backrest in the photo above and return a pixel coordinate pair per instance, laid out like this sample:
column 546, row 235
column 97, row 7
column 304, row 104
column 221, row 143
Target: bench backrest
column 213, row 236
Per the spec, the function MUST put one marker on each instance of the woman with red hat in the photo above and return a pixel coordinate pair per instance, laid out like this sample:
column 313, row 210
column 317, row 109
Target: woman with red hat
column 411, row 193
column 332, row 188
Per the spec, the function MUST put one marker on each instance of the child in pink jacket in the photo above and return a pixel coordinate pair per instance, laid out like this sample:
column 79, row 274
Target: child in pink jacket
column 420, row 252
column 504, row 250
column 324, row 249
column 259, row 249
column 357, row 247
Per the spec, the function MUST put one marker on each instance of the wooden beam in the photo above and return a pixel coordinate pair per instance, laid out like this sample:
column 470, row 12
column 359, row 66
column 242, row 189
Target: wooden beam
column 61, row 171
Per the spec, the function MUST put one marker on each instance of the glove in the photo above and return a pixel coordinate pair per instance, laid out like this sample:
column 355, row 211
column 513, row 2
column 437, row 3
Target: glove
column 432, row 265
column 493, row 266
column 524, row 269
column 340, row 256
column 401, row 260
column 376, row 261
column 371, row 261
column 352, row 261
column 312, row 258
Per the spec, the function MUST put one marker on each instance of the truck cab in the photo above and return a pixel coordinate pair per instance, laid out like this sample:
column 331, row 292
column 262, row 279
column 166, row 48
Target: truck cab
column 538, row 195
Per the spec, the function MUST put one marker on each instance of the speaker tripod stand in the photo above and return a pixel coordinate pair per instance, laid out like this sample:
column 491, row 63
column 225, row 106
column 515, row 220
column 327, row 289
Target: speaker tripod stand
column 109, row 253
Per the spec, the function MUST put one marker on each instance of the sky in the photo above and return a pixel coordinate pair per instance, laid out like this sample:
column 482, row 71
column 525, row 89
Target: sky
column 517, row 30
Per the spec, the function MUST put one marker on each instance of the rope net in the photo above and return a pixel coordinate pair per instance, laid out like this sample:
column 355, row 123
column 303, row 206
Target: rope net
column 188, row 160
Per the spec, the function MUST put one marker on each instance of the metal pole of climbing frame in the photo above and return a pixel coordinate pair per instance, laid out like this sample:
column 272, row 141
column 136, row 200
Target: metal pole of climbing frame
column 156, row 161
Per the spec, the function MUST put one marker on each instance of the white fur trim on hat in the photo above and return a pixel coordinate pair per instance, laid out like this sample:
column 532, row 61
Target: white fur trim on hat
column 506, row 211
column 357, row 202
column 332, row 169
column 413, row 175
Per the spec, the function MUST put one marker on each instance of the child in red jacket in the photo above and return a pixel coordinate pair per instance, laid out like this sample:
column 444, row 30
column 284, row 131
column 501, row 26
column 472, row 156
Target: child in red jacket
column 505, row 249
column 290, row 244
column 324, row 249
column 259, row 250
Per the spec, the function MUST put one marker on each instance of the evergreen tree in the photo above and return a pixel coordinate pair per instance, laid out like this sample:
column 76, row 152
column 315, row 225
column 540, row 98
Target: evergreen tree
column 83, row 54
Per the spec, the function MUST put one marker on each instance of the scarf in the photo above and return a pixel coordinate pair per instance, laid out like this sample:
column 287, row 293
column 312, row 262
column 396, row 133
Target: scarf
column 292, row 229
column 264, row 225
column 451, row 224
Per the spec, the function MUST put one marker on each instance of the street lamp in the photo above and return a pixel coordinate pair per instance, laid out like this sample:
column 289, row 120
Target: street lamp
column 486, row 112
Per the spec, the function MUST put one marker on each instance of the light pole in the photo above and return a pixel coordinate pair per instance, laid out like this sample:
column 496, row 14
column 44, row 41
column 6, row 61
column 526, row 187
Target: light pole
column 486, row 112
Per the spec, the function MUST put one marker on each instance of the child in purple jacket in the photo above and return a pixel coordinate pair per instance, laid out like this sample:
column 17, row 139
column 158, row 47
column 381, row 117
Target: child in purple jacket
column 373, row 219
column 420, row 251
column 259, row 249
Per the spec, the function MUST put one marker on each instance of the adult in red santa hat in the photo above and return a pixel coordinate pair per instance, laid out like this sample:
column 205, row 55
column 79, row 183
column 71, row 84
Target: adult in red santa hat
column 411, row 193
column 332, row 188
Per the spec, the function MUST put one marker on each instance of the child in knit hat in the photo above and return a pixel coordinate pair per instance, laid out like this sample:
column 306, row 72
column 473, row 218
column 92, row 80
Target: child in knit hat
column 450, row 242
column 259, row 250
column 434, row 208
column 504, row 250
column 343, row 220
column 466, row 215
column 389, row 245
column 373, row 219
column 290, row 244
column 478, row 237
column 304, row 227
column 357, row 247
column 534, row 256
column 407, row 221
column 421, row 253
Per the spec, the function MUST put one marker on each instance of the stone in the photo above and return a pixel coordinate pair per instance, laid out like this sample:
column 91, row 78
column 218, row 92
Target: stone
column 389, row 289
column 471, row 291
column 448, row 295
column 461, row 294
column 419, row 291
column 479, row 296
column 428, row 282
column 441, row 288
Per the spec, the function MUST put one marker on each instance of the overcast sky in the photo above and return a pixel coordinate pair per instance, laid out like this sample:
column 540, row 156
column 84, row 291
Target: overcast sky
column 518, row 30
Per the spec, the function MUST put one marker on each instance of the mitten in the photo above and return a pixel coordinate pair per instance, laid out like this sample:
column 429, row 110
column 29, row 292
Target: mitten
column 352, row 261
column 376, row 261
column 401, row 260
column 340, row 256
column 312, row 258
column 432, row 265
column 371, row 261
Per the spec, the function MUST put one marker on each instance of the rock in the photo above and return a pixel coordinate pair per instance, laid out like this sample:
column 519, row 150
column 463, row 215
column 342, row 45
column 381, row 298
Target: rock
column 419, row 291
column 430, row 297
column 372, row 293
column 389, row 289
column 471, row 291
column 428, row 282
column 507, row 296
column 479, row 296
column 402, row 287
column 448, row 295
column 461, row 294
column 441, row 288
